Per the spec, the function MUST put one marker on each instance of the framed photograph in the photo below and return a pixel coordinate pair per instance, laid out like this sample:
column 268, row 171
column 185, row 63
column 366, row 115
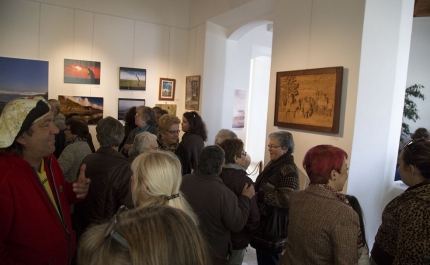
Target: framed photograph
column 21, row 77
column 81, row 72
column 170, row 108
column 192, row 92
column 309, row 99
column 124, row 104
column 89, row 108
column 132, row 78
column 167, row 89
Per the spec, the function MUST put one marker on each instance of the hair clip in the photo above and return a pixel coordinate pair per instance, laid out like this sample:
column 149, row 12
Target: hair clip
column 171, row 197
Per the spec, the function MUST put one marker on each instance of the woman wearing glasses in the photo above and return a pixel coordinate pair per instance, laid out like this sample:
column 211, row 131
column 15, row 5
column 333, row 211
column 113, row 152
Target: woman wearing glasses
column 157, row 235
column 145, row 121
column 274, row 184
column 404, row 235
column 168, row 140
column 194, row 137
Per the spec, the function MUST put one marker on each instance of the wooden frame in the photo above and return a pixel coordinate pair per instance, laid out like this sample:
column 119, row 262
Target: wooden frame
column 309, row 99
column 124, row 104
column 167, row 89
column 192, row 92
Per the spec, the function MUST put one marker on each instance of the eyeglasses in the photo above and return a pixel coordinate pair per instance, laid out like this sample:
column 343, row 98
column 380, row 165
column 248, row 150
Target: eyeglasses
column 273, row 146
column 110, row 229
column 174, row 132
column 244, row 153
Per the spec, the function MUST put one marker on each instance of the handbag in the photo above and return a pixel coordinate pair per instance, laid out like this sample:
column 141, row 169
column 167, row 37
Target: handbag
column 277, row 225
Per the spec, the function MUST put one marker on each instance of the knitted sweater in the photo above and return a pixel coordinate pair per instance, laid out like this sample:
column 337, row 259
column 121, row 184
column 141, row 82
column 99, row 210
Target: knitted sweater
column 71, row 158
column 268, row 199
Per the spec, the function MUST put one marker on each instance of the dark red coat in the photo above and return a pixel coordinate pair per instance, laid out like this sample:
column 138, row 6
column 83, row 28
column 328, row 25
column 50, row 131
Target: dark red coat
column 31, row 231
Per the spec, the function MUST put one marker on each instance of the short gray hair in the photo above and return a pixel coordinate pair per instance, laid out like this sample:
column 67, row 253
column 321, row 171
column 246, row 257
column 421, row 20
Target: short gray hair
column 56, row 104
column 284, row 139
column 110, row 132
column 141, row 143
column 224, row 134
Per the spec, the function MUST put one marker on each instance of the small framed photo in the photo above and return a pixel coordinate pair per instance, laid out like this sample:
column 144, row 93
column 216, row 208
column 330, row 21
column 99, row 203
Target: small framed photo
column 167, row 89
column 132, row 78
column 192, row 92
column 124, row 104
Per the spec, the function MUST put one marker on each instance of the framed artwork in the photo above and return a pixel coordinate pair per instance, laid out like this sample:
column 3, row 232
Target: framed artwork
column 239, row 108
column 167, row 89
column 21, row 77
column 89, row 108
column 170, row 108
column 124, row 104
column 81, row 72
column 192, row 92
column 309, row 99
column 132, row 78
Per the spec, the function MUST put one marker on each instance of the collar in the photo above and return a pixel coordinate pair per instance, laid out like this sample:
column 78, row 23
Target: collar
column 234, row 166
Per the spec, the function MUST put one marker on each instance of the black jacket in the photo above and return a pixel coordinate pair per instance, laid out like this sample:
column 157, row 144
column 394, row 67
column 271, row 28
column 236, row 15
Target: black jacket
column 110, row 174
column 235, row 180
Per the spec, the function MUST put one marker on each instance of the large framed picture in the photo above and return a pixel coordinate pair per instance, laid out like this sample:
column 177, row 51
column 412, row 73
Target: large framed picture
column 81, row 72
column 89, row 108
column 132, row 78
column 124, row 104
column 167, row 89
column 192, row 92
column 309, row 99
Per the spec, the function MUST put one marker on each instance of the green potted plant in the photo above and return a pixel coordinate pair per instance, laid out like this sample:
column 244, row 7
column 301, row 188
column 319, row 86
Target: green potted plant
column 410, row 110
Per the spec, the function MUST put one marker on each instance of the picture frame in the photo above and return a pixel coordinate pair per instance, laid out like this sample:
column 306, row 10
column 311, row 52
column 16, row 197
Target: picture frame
column 88, row 108
column 22, row 77
column 309, row 99
column 82, row 72
column 170, row 108
column 192, row 92
column 124, row 104
column 167, row 89
column 132, row 79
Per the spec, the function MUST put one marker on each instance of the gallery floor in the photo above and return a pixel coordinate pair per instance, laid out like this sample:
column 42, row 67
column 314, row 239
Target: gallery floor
column 250, row 257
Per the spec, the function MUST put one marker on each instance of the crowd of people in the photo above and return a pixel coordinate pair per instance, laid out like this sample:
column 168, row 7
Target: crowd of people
column 147, row 197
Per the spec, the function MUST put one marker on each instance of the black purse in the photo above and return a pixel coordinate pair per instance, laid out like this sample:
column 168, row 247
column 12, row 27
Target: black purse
column 277, row 225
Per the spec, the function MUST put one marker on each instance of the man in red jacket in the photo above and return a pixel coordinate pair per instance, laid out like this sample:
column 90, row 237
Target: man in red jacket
column 35, row 224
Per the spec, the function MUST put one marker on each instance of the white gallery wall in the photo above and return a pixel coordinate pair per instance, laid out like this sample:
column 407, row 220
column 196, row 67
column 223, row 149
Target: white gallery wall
column 49, row 32
column 419, row 69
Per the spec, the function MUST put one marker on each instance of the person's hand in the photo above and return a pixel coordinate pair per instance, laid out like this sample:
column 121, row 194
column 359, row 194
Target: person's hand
column 127, row 147
column 248, row 190
column 80, row 187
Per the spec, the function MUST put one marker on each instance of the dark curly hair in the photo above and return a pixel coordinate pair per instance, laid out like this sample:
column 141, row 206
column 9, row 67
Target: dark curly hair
column 197, row 125
column 418, row 153
column 129, row 116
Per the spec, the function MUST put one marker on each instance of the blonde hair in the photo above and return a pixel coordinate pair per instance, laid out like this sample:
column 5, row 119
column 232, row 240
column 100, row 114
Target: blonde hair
column 156, row 176
column 165, row 122
column 156, row 235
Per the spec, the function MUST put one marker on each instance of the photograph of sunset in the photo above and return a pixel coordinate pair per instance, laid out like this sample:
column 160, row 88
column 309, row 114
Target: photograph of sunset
column 81, row 72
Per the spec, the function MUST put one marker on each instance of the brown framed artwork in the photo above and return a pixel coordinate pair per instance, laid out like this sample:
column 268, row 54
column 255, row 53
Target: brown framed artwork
column 167, row 89
column 309, row 99
column 192, row 92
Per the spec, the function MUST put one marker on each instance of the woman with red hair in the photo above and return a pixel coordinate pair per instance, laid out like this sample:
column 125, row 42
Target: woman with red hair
column 323, row 227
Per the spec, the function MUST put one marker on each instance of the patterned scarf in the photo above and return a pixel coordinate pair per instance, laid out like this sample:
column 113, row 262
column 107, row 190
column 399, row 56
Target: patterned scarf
column 342, row 198
column 75, row 139
column 164, row 147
